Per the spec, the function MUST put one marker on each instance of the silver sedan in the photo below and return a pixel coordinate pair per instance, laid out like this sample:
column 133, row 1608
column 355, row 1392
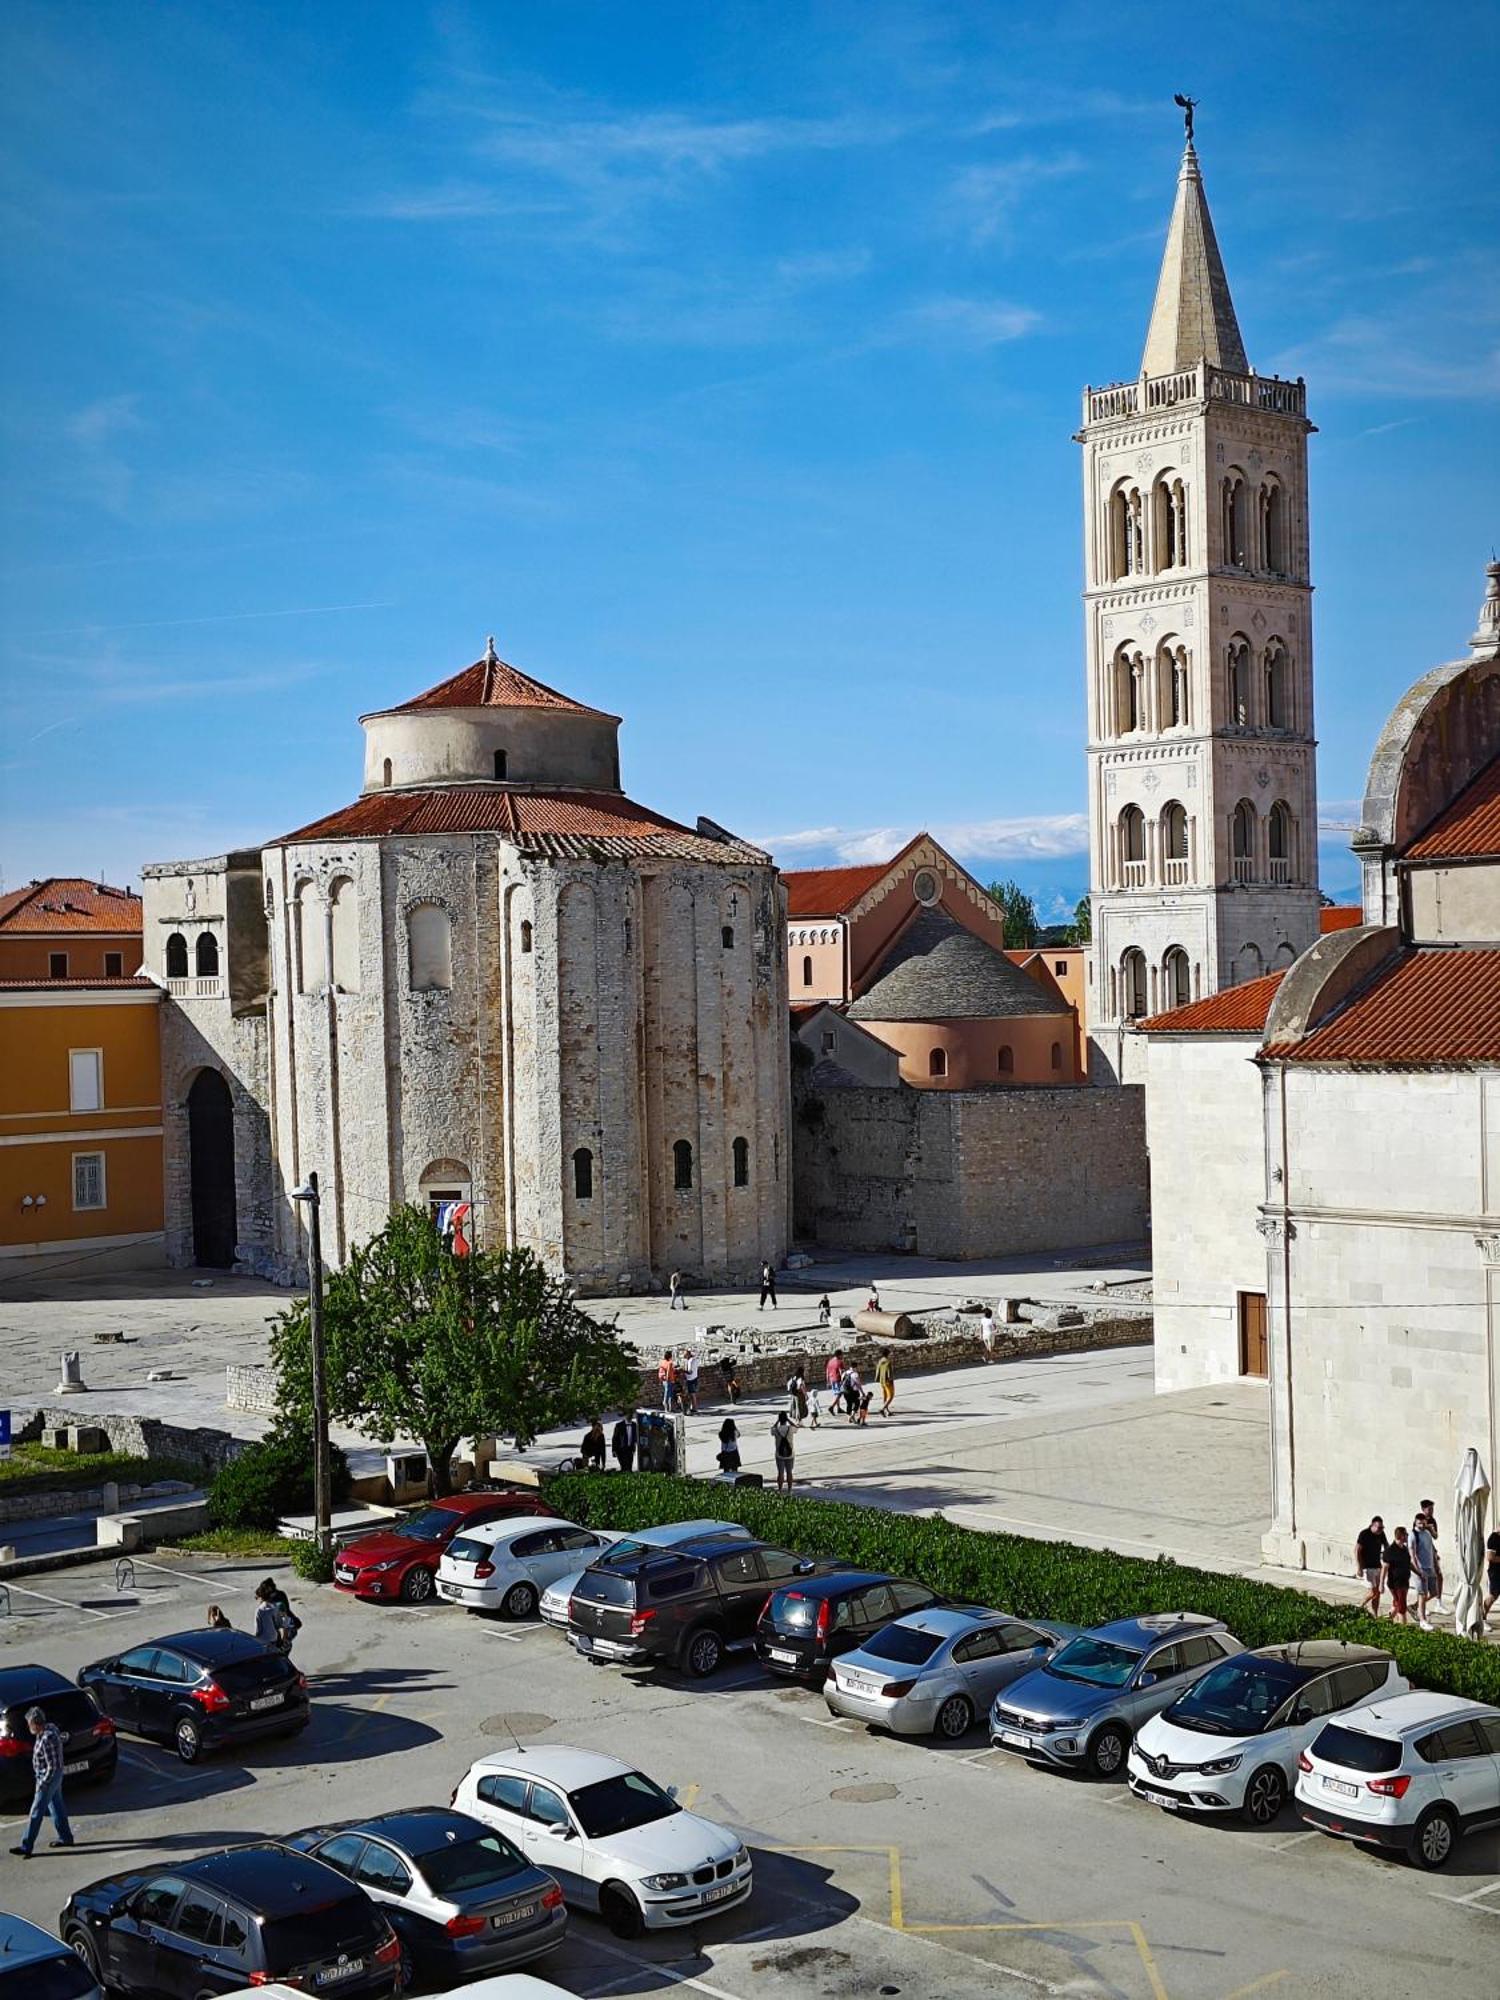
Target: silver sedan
column 935, row 1672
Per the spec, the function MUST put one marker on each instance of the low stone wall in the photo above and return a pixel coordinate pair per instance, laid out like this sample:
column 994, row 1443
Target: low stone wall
column 141, row 1437
column 250, row 1386
column 77, row 1500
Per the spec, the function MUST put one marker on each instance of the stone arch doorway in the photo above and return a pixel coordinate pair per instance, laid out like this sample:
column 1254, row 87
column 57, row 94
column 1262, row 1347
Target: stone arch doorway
column 211, row 1155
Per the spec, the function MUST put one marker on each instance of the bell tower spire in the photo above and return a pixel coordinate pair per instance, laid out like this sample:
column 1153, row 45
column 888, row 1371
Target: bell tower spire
column 1193, row 317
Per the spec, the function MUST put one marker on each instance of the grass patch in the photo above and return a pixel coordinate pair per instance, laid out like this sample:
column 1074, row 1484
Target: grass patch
column 236, row 1542
column 1030, row 1578
column 39, row 1468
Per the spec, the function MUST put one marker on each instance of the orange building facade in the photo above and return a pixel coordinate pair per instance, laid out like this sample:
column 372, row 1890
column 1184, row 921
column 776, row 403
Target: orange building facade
column 80, row 1125
column 69, row 928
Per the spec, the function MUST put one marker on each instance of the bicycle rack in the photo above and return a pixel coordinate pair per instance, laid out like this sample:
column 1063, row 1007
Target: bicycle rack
column 124, row 1574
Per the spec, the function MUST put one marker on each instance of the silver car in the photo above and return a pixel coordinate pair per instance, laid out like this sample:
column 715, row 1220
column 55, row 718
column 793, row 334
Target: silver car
column 557, row 1596
column 935, row 1671
column 1086, row 1703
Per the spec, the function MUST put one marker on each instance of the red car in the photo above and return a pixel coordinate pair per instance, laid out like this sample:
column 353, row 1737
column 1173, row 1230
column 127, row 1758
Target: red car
column 401, row 1561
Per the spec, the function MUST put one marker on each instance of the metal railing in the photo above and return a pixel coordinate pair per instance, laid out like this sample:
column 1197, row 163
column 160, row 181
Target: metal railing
column 1134, row 873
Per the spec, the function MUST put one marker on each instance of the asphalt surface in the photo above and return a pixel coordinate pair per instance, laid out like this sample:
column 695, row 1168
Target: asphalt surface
column 883, row 1867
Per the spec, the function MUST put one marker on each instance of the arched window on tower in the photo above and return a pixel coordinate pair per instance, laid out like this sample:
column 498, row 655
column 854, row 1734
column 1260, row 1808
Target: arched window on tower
column 177, row 956
column 1133, row 848
column 1127, row 532
column 1007, row 1061
column 344, row 912
column 429, row 947
column 1172, row 683
column 807, row 970
column 583, row 1174
column 1279, row 842
column 1174, row 843
column 385, row 773
column 726, row 936
column 1236, row 521
column 937, row 1062
column 1237, row 682
column 682, row 1165
column 527, row 934
column 1169, row 523
column 1130, row 691
column 741, row 1151
column 1133, row 984
column 1273, row 527
column 1242, row 841
column 1176, row 978
column 1278, row 686
column 206, row 955
column 309, row 940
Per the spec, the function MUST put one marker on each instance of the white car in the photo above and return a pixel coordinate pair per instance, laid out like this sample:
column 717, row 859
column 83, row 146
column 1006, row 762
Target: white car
column 557, row 1596
column 505, row 1565
column 1412, row 1773
column 1231, row 1742
column 615, row 1840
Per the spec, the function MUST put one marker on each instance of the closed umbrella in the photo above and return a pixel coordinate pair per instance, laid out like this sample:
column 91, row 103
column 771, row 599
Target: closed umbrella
column 1471, row 1492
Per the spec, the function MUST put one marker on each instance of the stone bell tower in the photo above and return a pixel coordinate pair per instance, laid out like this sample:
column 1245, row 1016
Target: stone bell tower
column 1198, row 633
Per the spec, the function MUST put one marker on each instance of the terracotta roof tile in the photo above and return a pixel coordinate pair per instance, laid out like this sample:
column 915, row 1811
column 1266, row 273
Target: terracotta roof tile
column 829, row 892
column 69, row 903
column 134, row 984
column 1342, row 917
column 491, row 683
column 1467, row 829
column 1427, row 1009
column 1238, row 1010
column 558, row 823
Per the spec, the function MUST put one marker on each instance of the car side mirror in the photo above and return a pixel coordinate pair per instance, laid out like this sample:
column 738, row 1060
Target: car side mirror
column 1149, row 1678
column 671, row 1791
column 559, row 1832
column 1302, row 1712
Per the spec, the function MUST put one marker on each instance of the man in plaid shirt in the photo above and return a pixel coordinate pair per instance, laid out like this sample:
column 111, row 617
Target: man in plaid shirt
column 47, row 1768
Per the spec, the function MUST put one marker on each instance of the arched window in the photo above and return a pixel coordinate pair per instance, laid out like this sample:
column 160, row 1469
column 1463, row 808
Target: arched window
column 1236, row 521
column 1127, row 532
column 682, row 1165
column 1133, row 983
column 1172, row 684
column 583, row 1174
column 1279, row 842
column 499, row 763
column 386, row 773
column 345, row 914
column 177, row 956
column 1170, row 522
column 1176, row 978
column 1133, row 847
column 1130, row 691
column 1174, row 842
column 726, row 937
column 1273, row 526
column 1278, row 686
column 429, row 945
column 807, row 978
column 526, row 934
column 937, row 1062
column 1057, row 1055
column 1007, row 1062
column 206, row 955
column 1237, row 681
column 308, row 940
column 742, row 1162
column 1242, row 841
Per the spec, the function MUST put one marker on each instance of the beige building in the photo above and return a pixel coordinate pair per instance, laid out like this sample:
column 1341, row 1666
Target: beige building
column 492, row 979
column 1198, row 627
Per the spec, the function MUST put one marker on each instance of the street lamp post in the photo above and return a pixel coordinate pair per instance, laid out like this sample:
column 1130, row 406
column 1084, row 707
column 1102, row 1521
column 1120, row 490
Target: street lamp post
column 322, row 1525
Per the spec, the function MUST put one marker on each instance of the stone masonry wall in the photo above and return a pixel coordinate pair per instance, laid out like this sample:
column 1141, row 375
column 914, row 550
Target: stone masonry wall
column 141, row 1437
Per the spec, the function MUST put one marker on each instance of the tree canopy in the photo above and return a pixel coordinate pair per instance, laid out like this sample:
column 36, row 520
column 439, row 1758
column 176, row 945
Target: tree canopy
column 1081, row 930
column 1020, row 915
column 421, row 1343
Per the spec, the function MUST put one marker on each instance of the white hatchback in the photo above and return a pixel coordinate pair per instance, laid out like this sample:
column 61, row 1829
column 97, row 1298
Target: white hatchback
column 505, row 1565
column 1231, row 1742
column 615, row 1840
column 1412, row 1773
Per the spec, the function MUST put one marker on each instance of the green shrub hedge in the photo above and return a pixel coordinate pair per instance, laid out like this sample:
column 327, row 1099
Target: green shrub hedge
column 1033, row 1579
column 270, row 1479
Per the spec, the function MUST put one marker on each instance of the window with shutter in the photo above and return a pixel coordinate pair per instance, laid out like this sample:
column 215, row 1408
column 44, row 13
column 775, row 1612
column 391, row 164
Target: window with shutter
column 88, row 1180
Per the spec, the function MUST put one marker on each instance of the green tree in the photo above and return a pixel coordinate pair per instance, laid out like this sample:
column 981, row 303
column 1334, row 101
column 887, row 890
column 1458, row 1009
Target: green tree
column 424, row 1344
column 1081, row 930
column 1020, row 915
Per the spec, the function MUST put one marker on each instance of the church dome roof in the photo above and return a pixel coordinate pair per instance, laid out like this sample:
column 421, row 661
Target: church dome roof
column 493, row 683
column 938, row 970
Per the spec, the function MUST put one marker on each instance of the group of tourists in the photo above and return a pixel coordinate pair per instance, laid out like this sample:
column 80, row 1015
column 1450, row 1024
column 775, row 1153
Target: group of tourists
column 1411, row 1556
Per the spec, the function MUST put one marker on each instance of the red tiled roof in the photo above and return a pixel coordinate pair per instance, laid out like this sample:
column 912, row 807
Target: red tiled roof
column 1238, row 1010
column 828, row 892
column 1426, row 1009
column 578, row 823
column 1467, row 829
column 491, row 683
column 1342, row 917
column 133, row 984
column 69, row 903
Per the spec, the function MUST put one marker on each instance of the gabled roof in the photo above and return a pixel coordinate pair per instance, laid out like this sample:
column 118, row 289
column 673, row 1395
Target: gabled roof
column 493, row 683
column 1426, row 1009
column 829, row 892
column 1237, row 1010
column 938, row 970
column 69, row 903
column 1469, row 829
column 1193, row 317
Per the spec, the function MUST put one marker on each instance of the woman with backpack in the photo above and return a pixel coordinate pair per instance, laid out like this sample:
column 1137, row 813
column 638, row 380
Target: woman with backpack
column 729, row 1448
column 276, row 1624
column 796, row 1396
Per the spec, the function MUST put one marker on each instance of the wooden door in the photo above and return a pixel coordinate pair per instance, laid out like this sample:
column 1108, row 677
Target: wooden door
column 1253, row 1344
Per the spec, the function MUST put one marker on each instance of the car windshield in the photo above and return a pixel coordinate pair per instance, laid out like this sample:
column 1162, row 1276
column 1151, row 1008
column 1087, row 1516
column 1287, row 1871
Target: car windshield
column 349, row 1925
column 69, row 1711
column 791, row 1611
column 598, row 1588
column 471, row 1864
column 1238, row 1698
column 908, row 1645
column 615, row 1805
column 1356, row 1751
column 430, row 1525
column 62, row 1978
column 1098, row 1661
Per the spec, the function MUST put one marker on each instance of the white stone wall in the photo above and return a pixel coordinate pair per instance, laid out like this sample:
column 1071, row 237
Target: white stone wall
column 445, row 746
column 1205, row 1135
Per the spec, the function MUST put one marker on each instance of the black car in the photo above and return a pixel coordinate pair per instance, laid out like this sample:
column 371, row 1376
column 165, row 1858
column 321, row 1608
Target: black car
column 681, row 1606
column 806, row 1625
column 201, row 1690
column 244, row 1916
column 89, row 1748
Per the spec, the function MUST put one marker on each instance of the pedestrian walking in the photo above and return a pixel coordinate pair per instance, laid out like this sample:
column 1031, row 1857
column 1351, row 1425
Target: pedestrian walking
column 729, row 1377
column 1397, row 1576
column 1370, row 1545
column 624, row 1441
column 679, row 1297
column 854, row 1389
column 690, row 1379
column 1429, row 1511
column 216, row 1621
column 872, row 1303
column 47, row 1755
column 796, row 1396
column 666, row 1375
column 276, row 1624
column 825, row 1310
column 591, row 1451
column 1491, row 1573
column 783, row 1444
column 1424, row 1562
column 833, row 1379
column 767, row 1286
column 987, row 1333
column 729, row 1448
column 885, row 1375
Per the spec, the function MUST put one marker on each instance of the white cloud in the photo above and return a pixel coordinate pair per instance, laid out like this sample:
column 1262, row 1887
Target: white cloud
column 987, row 196
column 100, row 421
column 974, row 323
column 1039, row 837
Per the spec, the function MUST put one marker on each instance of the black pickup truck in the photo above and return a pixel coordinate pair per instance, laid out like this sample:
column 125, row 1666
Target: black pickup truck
column 679, row 1607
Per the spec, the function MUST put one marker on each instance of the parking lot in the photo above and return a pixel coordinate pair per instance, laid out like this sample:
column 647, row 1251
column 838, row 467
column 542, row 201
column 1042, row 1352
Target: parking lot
column 883, row 1867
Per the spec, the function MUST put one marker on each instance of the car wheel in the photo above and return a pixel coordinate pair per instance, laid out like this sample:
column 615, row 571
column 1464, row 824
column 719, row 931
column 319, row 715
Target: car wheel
column 1107, row 1747
column 1265, row 1795
column 620, row 1911
column 83, row 1947
column 187, row 1740
column 520, row 1600
column 416, row 1585
column 1433, row 1837
column 955, row 1718
column 703, row 1653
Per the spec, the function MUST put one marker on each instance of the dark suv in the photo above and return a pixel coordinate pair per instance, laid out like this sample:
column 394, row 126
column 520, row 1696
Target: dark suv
column 246, row 1916
column 679, row 1607
column 806, row 1625
column 90, row 1751
column 200, row 1690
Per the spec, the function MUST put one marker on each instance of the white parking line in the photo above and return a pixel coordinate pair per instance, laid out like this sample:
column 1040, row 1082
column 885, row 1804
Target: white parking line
column 1472, row 1900
column 152, row 1770
column 842, row 1725
column 662, row 1971
column 187, row 1576
column 66, row 1603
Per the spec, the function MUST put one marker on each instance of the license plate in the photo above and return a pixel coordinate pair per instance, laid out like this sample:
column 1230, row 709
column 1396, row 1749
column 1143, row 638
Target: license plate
column 1338, row 1785
column 506, row 1918
column 780, row 1653
column 724, row 1889
column 72, row 1770
column 1014, row 1736
column 1163, row 1799
column 268, row 1701
column 856, row 1683
column 583, row 1642
column 347, row 1968
column 450, row 1590
column 343, row 1575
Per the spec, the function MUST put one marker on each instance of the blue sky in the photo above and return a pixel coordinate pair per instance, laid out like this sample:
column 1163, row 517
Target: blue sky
column 722, row 361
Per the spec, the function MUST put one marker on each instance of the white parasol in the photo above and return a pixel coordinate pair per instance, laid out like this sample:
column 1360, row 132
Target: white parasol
column 1471, row 1492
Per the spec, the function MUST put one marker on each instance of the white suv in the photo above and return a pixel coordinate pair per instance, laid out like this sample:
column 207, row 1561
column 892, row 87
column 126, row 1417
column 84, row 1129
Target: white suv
column 1414, row 1772
column 1230, row 1743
